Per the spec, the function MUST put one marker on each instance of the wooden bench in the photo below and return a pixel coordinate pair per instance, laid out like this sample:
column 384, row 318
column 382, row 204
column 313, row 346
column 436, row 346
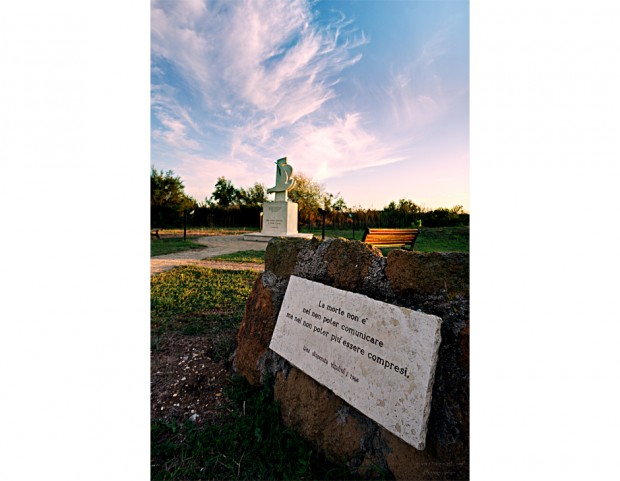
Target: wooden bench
column 391, row 237
column 155, row 232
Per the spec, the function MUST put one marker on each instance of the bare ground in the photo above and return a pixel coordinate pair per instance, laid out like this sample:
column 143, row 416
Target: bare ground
column 186, row 381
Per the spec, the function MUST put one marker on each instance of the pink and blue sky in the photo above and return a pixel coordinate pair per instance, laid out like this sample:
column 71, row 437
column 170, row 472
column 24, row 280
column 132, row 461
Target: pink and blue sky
column 371, row 98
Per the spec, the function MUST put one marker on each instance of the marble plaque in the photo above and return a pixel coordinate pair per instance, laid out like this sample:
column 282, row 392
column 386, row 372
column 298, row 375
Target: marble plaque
column 279, row 218
column 378, row 357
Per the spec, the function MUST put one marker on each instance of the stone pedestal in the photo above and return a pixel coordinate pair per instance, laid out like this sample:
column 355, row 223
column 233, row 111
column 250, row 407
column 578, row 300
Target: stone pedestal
column 279, row 220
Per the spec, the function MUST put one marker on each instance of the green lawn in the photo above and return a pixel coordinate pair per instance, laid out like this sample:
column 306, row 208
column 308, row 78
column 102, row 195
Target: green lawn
column 168, row 245
column 255, row 257
column 431, row 239
column 250, row 442
column 194, row 299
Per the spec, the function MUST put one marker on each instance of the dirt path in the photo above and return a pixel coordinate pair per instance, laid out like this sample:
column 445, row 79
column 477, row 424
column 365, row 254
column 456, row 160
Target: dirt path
column 214, row 246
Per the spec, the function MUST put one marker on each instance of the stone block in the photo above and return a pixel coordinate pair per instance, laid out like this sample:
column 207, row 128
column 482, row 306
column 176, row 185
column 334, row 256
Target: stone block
column 279, row 218
column 255, row 332
column 428, row 272
column 319, row 416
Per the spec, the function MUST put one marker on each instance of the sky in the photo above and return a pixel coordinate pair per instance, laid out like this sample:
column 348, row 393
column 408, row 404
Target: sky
column 370, row 98
column 75, row 152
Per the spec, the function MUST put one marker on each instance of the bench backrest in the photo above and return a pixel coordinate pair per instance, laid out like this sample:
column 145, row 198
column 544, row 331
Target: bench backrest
column 390, row 237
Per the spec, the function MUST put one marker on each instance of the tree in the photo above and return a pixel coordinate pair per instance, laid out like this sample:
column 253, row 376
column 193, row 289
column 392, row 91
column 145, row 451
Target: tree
column 404, row 205
column 333, row 202
column 308, row 194
column 225, row 194
column 253, row 196
column 168, row 199
column 311, row 196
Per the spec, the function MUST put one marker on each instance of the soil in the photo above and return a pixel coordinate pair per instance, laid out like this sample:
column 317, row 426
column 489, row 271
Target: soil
column 186, row 382
column 187, row 377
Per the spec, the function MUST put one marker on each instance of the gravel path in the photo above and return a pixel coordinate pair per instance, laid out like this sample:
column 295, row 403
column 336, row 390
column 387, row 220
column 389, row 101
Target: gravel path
column 214, row 246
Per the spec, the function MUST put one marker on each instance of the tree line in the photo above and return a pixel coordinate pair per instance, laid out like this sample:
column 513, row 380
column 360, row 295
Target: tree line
column 230, row 206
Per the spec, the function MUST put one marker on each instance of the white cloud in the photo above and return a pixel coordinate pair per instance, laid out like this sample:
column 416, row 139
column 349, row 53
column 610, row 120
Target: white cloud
column 265, row 72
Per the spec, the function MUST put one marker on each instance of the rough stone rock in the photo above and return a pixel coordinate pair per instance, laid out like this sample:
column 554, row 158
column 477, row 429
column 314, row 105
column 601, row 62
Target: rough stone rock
column 428, row 272
column 320, row 416
column 411, row 464
column 376, row 284
column 311, row 262
column 348, row 264
column 281, row 254
column 259, row 320
column 436, row 283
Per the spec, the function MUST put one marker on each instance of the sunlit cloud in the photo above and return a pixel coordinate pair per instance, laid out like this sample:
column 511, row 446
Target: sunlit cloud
column 264, row 70
column 238, row 84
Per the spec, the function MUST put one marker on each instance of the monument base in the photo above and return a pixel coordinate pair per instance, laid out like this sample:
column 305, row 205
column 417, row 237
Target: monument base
column 279, row 220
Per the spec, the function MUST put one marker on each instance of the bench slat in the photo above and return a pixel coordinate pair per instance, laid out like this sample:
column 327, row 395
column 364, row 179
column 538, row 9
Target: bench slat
column 390, row 237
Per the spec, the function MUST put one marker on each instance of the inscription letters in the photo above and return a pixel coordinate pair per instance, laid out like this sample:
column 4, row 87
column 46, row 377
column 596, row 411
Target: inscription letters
column 378, row 357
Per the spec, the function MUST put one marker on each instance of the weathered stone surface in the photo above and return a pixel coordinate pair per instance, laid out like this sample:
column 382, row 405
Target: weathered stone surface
column 431, row 283
column 348, row 264
column 378, row 357
column 428, row 272
column 411, row 464
column 255, row 332
column 281, row 254
column 320, row 416
column 280, row 218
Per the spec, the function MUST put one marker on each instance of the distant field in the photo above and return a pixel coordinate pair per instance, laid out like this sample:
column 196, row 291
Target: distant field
column 203, row 231
column 431, row 239
column 168, row 245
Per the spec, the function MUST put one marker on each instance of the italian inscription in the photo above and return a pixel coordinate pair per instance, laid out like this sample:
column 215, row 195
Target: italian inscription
column 378, row 357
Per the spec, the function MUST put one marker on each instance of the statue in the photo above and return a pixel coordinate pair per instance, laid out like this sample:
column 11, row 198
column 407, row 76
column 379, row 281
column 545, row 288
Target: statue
column 279, row 218
column 284, row 180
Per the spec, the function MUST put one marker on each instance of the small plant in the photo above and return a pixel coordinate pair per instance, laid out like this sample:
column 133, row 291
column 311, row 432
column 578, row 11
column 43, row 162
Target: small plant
column 251, row 444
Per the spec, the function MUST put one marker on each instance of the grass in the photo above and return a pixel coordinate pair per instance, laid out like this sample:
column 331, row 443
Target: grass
column 251, row 443
column 254, row 257
column 443, row 239
column 431, row 239
column 168, row 245
column 198, row 300
column 203, row 231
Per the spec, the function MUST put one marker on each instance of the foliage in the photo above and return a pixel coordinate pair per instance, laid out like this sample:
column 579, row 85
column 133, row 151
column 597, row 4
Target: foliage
column 252, row 443
column 443, row 217
column 225, row 194
column 227, row 217
column 311, row 196
column 253, row 196
column 172, row 244
column 168, row 199
column 403, row 205
column 307, row 193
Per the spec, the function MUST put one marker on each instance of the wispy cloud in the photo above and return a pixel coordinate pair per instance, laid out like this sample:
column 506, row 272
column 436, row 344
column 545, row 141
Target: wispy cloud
column 264, row 71
column 238, row 84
